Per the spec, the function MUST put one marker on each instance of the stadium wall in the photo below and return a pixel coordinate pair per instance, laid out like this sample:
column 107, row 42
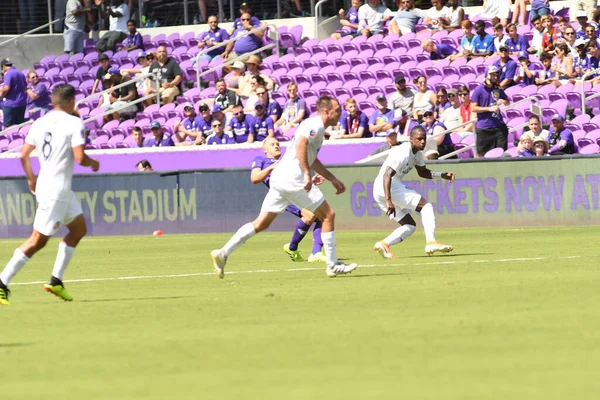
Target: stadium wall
column 486, row 193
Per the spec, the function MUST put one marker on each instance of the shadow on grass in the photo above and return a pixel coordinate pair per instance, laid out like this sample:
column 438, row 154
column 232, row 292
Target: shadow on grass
column 8, row 345
column 135, row 299
column 451, row 255
column 374, row 275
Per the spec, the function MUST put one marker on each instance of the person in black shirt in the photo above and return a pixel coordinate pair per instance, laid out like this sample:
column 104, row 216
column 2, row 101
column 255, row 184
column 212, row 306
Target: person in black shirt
column 225, row 97
column 119, row 99
column 103, row 70
column 167, row 79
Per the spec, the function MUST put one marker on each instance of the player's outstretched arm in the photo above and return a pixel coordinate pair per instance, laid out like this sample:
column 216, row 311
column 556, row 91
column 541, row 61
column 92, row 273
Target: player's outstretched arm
column 26, row 163
column 258, row 175
column 425, row 173
column 324, row 172
column 83, row 159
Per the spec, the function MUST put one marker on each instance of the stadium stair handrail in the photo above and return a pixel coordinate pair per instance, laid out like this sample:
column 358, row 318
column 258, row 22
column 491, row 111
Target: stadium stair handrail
column 32, row 31
column 317, row 9
column 129, row 82
column 272, row 28
column 582, row 81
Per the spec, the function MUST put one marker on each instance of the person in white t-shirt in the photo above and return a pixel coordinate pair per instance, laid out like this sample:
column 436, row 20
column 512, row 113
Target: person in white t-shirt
column 437, row 14
column 292, row 183
column 118, row 15
column 372, row 17
column 397, row 201
column 58, row 138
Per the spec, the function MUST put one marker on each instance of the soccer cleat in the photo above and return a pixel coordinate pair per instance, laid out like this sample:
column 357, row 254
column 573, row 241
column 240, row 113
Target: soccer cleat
column 433, row 247
column 340, row 269
column 58, row 291
column 317, row 257
column 294, row 254
column 384, row 250
column 4, row 293
column 219, row 261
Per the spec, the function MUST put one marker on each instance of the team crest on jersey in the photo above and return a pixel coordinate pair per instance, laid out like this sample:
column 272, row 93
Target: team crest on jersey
column 312, row 133
column 496, row 95
column 56, row 226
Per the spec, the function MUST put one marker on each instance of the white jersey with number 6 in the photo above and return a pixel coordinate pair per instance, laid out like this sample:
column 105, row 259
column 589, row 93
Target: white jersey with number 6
column 402, row 160
column 54, row 136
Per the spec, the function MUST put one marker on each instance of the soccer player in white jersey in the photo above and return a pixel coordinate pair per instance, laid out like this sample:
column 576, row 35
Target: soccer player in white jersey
column 58, row 138
column 292, row 182
column 398, row 201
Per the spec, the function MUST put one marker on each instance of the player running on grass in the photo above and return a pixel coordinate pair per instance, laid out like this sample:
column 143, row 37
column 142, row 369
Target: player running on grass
column 292, row 182
column 398, row 201
column 59, row 140
column 261, row 172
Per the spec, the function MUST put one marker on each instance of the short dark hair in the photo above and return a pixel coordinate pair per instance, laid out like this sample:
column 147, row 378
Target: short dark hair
column 132, row 21
column 416, row 130
column 144, row 164
column 220, row 80
column 545, row 56
column 590, row 44
column 480, row 23
column 537, row 17
column 136, row 129
column 63, row 93
column 325, row 102
column 534, row 117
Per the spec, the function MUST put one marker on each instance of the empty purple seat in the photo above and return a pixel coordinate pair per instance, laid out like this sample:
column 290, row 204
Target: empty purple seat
column 589, row 149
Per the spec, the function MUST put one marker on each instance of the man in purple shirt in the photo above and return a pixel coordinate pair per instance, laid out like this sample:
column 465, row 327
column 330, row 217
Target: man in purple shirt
column 248, row 43
column 138, row 138
column 14, row 92
column 245, row 9
column 188, row 131
column 438, row 51
column 219, row 136
column 516, row 43
column 263, row 126
column 382, row 120
column 486, row 100
column 507, row 67
column 134, row 38
column 560, row 139
column 353, row 122
column 214, row 36
column 37, row 94
column 241, row 126
column 526, row 75
column 160, row 139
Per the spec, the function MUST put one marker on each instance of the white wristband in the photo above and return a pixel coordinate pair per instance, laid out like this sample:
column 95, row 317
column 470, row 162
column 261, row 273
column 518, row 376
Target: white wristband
column 436, row 174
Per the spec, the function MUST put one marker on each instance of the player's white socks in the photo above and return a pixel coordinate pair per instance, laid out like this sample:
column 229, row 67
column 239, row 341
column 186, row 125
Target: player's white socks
column 401, row 233
column 62, row 260
column 240, row 237
column 428, row 219
column 18, row 260
column 330, row 248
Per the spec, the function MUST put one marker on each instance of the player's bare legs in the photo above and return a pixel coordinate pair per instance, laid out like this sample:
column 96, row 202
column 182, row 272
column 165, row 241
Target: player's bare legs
column 428, row 220
column 407, row 227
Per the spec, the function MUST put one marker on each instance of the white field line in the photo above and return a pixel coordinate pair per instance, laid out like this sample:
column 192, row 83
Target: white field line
column 264, row 271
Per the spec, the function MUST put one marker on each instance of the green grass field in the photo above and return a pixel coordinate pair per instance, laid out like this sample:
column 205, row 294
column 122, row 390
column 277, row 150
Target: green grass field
column 510, row 314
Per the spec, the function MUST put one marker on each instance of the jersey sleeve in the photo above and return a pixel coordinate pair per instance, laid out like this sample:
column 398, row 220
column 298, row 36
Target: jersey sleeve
column 77, row 138
column 30, row 138
column 420, row 159
column 257, row 163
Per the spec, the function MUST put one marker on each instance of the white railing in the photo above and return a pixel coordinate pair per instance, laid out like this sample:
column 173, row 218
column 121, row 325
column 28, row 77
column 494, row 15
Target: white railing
column 123, row 84
column 32, row 31
column 582, row 81
column 317, row 11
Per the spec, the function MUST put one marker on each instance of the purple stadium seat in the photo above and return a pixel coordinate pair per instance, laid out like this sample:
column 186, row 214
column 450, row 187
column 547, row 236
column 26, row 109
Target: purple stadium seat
column 513, row 151
column 580, row 120
column 589, row 149
column 464, row 154
column 589, row 127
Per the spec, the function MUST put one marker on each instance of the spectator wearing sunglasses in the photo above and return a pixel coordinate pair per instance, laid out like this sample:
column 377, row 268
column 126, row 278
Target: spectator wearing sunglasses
column 37, row 94
column 263, row 126
column 247, row 43
column 188, row 131
column 214, row 36
column 219, row 136
column 586, row 30
column 241, row 126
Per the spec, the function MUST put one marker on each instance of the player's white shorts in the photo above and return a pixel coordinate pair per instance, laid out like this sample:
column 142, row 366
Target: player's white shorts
column 405, row 200
column 278, row 199
column 51, row 214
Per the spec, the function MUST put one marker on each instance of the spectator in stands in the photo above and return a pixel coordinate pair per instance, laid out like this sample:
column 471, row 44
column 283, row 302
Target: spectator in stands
column 75, row 22
column 188, row 131
column 442, row 103
column 217, row 114
column 244, row 9
column 142, row 69
column 246, row 42
column 252, row 69
column 438, row 51
column 382, row 121
column 224, row 97
column 497, row 9
column 535, row 127
column 435, row 15
column 551, row 35
column 450, row 117
column 547, row 74
column 372, row 17
column 349, row 21
column 138, row 137
column 424, row 98
column 160, row 139
column 233, row 79
column 581, row 63
column 407, row 17
column 538, row 36
column 263, row 125
column 38, row 97
column 121, row 97
column 143, row 166
column 434, row 127
column 466, row 43
column 466, row 109
column 403, row 98
column 14, row 91
column 272, row 107
column 516, row 43
column 457, row 16
column 525, row 76
column 241, row 126
column 168, row 77
column 525, row 146
column 507, row 67
column 487, row 98
column 588, row 31
column 483, row 44
column 499, row 37
column 294, row 110
column 589, row 6
column 134, row 39
column 564, row 67
column 214, row 36
column 560, row 138
column 219, row 136
column 255, row 82
column 104, row 62
column 540, row 147
column 538, row 8
column 591, row 48
column 118, row 15
column 354, row 123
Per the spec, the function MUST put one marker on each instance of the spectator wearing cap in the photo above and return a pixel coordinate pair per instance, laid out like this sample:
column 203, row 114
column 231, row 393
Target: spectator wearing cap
column 188, row 131
column 507, row 67
column 38, row 97
column 217, row 113
column 487, row 98
column 438, row 51
column 582, row 19
column 138, row 137
column 219, row 136
column 247, row 41
column 382, row 121
column 104, row 62
column 241, row 125
column 372, row 17
column 434, row 127
column 516, row 43
column 134, row 39
column 534, row 126
column 118, row 15
column 547, row 74
column 451, row 115
column 348, row 20
column 118, row 100
column 252, row 71
column 235, row 78
column 406, row 18
column 160, row 139
column 263, row 126
column 354, row 123
column 14, row 91
column 224, row 97
column 560, row 138
column 483, row 43
column 294, row 110
column 403, row 98
column 540, row 147
column 75, row 22
column 214, row 36
column 581, row 62
column 167, row 80
column 272, row 107
column 588, row 6
column 525, row 76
